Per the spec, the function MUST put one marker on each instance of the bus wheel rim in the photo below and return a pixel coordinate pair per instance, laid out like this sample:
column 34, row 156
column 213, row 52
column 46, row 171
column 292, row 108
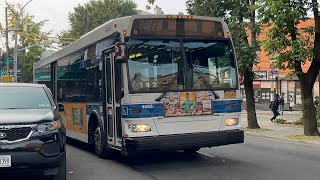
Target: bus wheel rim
column 97, row 138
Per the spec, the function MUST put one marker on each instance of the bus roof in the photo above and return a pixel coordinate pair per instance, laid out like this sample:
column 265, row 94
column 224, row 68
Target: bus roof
column 105, row 30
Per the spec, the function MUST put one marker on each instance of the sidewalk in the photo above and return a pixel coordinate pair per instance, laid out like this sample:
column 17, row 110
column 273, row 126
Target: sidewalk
column 268, row 111
column 293, row 133
column 266, row 115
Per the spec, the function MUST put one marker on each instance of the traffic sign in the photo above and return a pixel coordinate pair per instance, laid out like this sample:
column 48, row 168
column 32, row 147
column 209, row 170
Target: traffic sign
column 8, row 61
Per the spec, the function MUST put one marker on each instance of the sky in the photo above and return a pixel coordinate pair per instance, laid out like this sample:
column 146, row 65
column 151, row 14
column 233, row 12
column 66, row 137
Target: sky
column 56, row 11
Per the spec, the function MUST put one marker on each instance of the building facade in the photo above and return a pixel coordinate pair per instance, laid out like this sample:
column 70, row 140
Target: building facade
column 269, row 80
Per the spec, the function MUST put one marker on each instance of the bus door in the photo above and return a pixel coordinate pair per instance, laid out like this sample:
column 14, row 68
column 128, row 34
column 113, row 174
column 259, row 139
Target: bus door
column 112, row 110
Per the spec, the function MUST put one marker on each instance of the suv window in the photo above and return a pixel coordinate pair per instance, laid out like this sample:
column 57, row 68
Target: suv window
column 23, row 98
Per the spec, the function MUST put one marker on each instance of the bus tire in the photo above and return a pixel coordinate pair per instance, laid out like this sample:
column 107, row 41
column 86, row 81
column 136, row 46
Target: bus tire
column 100, row 149
column 191, row 150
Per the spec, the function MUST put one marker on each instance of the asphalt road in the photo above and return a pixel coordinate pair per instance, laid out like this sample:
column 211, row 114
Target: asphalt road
column 257, row 158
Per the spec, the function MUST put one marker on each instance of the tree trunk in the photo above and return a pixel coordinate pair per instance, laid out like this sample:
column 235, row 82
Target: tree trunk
column 251, row 107
column 308, row 110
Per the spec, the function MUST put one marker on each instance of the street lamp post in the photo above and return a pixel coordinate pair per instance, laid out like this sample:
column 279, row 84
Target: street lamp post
column 15, row 57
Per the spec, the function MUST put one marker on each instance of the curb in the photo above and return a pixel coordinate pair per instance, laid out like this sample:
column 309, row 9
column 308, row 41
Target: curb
column 283, row 138
column 289, row 125
column 270, row 112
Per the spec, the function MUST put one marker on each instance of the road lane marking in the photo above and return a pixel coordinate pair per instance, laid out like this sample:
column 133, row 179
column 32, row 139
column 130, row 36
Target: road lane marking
column 205, row 154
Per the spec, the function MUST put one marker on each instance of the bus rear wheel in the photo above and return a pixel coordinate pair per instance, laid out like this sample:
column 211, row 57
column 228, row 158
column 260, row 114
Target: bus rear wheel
column 100, row 149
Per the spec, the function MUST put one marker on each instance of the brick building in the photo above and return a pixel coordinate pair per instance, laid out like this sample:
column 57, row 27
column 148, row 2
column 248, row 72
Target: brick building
column 270, row 80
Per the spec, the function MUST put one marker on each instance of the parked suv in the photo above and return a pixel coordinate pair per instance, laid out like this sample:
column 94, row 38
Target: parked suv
column 32, row 136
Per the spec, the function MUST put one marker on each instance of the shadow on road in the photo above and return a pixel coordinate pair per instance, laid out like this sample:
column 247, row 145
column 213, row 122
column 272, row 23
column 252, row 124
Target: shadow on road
column 78, row 144
column 157, row 157
column 165, row 160
column 178, row 157
column 206, row 163
column 24, row 177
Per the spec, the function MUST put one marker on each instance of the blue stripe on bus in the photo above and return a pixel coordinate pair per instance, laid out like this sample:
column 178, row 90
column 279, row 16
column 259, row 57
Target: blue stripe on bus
column 226, row 106
column 142, row 110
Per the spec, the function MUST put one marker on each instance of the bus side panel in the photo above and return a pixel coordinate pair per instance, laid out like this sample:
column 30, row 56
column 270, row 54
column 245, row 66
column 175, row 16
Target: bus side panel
column 76, row 121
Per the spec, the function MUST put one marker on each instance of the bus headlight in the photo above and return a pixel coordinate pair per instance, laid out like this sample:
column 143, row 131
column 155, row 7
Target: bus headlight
column 231, row 121
column 139, row 128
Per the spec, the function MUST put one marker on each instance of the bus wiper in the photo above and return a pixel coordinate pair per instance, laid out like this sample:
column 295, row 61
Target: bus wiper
column 168, row 87
column 216, row 95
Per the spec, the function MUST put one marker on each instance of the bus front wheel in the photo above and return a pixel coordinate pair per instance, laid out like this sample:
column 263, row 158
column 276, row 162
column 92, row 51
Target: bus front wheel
column 100, row 149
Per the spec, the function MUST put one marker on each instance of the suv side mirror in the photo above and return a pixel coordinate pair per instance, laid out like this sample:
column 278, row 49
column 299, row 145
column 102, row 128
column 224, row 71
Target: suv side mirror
column 61, row 107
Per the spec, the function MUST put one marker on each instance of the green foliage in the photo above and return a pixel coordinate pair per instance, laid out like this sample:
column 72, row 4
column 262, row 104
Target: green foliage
column 299, row 122
column 240, row 17
column 31, row 38
column 29, row 30
column 151, row 1
column 96, row 12
column 213, row 8
column 280, row 120
column 237, row 15
column 290, row 46
column 285, row 42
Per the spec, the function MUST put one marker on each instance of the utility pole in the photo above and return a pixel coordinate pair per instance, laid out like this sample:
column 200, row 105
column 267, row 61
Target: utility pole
column 7, row 41
column 15, row 56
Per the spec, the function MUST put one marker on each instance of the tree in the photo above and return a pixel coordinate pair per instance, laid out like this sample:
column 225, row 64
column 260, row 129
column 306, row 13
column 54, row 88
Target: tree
column 151, row 1
column 96, row 12
column 32, row 39
column 293, row 47
column 241, row 18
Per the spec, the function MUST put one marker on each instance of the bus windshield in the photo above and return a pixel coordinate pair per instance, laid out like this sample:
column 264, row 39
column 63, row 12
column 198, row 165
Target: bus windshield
column 211, row 62
column 154, row 64
column 157, row 65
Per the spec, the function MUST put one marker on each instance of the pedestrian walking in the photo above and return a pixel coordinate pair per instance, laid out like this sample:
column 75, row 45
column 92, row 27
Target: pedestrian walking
column 281, row 104
column 274, row 107
column 291, row 103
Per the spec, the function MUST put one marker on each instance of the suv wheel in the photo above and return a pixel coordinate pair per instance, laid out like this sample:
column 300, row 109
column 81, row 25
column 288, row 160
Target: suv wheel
column 61, row 170
column 100, row 149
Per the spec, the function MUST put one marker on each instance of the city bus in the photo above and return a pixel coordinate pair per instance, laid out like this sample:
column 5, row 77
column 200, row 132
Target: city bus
column 147, row 83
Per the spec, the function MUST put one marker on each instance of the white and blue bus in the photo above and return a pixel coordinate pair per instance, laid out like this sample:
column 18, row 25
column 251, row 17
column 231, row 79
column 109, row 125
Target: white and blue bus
column 143, row 83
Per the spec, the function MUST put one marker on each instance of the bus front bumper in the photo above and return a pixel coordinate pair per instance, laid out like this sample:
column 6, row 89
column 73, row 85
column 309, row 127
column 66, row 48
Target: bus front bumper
column 183, row 141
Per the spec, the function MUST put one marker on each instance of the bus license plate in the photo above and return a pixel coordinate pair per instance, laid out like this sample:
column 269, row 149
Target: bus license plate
column 5, row 161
